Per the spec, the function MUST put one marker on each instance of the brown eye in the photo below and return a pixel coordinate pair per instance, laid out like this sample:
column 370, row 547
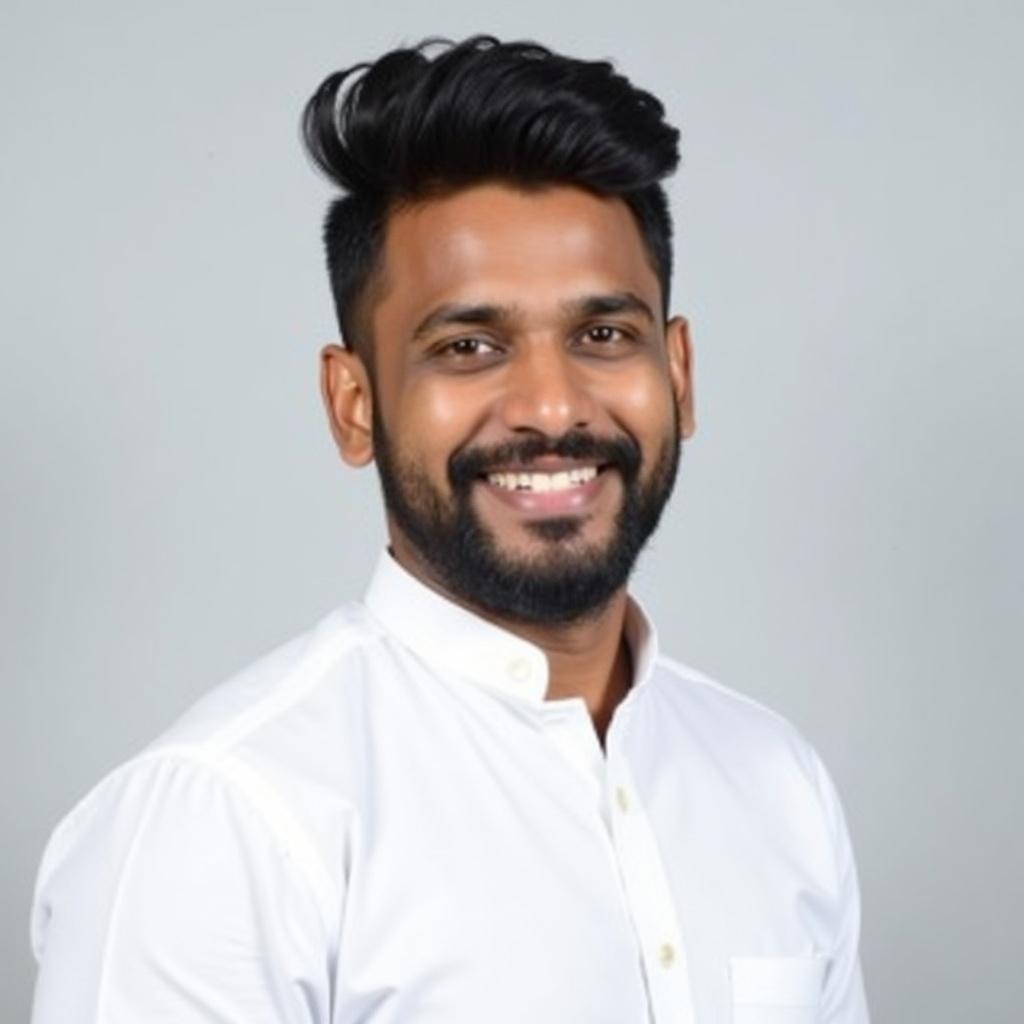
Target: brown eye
column 467, row 346
column 605, row 336
column 467, row 353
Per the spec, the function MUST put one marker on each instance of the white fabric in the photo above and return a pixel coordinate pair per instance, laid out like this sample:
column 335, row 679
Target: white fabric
column 385, row 821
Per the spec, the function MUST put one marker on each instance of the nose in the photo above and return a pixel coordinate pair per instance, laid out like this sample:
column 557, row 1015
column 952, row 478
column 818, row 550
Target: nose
column 545, row 391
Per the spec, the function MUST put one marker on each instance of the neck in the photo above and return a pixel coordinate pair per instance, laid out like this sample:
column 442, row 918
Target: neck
column 589, row 659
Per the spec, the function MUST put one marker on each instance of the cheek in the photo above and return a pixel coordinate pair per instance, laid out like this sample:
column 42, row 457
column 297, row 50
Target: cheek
column 440, row 404
column 642, row 403
column 434, row 417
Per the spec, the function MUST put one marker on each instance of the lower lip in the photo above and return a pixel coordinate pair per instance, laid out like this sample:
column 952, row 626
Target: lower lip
column 572, row 501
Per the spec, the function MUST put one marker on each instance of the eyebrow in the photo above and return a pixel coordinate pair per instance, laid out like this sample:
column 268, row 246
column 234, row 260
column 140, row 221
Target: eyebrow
column 459, row 313
column 488, row 315
column 604, row 305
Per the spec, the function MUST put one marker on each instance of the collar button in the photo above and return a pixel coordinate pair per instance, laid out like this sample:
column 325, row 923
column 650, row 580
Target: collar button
column 519, row 670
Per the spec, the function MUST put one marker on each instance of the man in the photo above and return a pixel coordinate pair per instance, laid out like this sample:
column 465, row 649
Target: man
column 481, row 794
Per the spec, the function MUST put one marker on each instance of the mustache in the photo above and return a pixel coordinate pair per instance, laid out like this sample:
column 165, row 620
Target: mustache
column 465, row 465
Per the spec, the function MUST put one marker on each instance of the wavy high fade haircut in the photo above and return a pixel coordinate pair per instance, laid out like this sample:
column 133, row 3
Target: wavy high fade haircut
column 425, row 121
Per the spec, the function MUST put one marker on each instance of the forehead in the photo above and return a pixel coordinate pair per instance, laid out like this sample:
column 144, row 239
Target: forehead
column 494, row 243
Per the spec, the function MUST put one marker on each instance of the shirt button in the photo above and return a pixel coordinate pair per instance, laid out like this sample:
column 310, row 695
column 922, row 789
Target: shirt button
column 622, row 799
column 666, row 954
column 519, row 670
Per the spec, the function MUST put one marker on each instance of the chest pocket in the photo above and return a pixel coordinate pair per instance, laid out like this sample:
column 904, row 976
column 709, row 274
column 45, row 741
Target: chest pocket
column 776, row 989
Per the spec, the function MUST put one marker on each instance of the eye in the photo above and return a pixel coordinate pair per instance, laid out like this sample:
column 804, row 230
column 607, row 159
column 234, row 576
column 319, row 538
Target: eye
column 467, row 353
column 600, row 338
column 471, row 346
column 603, row 333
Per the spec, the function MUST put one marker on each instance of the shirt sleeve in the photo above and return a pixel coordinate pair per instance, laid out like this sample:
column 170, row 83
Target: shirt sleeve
column 167, row 896
column 844, row 1001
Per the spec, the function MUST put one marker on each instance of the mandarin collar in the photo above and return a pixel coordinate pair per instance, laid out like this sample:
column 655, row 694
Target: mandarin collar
column 460, row 642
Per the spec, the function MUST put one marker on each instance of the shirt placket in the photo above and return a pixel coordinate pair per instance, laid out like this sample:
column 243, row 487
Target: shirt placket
column 648, row 899
column 648, row 896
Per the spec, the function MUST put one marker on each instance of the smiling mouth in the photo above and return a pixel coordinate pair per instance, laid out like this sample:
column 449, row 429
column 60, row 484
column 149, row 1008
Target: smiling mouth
column 543, row 483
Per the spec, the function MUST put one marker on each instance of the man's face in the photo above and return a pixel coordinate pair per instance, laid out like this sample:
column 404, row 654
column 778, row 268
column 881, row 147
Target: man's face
column 527, row 403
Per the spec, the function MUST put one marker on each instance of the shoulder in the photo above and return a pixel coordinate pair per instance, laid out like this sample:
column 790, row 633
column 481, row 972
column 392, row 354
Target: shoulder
column 707, row 698
column 232, row 776
column 310, row 670
column 742, row 734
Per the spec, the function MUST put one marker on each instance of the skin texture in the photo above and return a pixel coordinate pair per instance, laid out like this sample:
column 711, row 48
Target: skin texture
column 481, row 337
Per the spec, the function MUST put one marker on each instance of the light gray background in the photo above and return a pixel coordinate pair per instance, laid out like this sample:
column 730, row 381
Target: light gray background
column 844, row 544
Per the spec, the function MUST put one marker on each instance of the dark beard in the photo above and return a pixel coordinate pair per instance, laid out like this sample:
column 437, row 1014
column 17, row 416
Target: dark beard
column 571, row 580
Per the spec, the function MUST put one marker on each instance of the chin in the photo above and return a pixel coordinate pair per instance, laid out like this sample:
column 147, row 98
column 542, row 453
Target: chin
column 552, row 537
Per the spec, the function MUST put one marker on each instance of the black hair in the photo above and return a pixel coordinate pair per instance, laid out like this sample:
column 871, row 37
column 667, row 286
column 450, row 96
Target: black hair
column 427, row 120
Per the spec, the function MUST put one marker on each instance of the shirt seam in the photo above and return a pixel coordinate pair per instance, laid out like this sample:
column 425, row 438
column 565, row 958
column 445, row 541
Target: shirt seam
column 828, row 801
column 227, row 734
column 280, row 826
column 115, row 911
column 284, row 828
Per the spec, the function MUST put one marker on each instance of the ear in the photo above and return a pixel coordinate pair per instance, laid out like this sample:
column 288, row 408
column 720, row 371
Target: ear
column 680, row 368
column 348, row 398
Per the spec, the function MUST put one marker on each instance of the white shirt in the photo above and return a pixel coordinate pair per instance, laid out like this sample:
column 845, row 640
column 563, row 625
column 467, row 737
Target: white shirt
column 384, row 821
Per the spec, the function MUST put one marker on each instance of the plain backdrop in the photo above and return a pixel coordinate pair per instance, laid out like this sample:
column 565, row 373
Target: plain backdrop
column 844, row 543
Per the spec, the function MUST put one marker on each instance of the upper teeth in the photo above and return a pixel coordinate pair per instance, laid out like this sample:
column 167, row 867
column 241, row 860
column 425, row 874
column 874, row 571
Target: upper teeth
column 561, row 481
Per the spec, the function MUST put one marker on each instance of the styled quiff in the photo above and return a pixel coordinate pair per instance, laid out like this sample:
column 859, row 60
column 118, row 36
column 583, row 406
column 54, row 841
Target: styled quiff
column 430, row 119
